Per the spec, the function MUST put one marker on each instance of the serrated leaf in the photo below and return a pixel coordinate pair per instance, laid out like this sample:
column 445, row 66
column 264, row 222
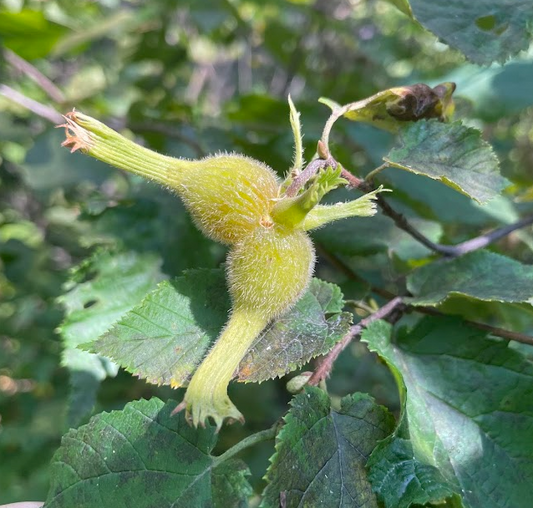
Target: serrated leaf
column 452, row 153
column 143, row 457
column 116, row 282
column 321, row 453
column 390, row 109
column 168, row 334
column 400, row 480
column 469, row 407
column 298, row 336
column 481, row 275
column 485, row 31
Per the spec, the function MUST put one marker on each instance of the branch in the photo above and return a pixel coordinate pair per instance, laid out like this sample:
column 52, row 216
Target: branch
column 430, row 311
column 34, row 74
column 46, row 112
column 449, row 251
column 325, row 365
column 493, row 330
column 496, row 234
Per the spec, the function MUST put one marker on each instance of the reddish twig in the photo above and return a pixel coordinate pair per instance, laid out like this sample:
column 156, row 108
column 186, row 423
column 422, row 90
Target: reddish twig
column 325, row 364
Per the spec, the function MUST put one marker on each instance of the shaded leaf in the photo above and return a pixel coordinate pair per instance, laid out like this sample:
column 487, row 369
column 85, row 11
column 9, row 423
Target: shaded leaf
column 48, row 166
column 485, row 31
column 168, row 334
column 452, row 153
column 144, row 457
column 321, row 453
column 469, row 407
column 482, row 275
column 390, row 108
column 101, row 290
column 358, row 236
column 301, row 334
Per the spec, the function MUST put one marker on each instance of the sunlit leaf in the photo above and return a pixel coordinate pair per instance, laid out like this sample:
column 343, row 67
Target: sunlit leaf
column 468, row 405
column 101, row 290
column 452, row 153
column 166, row 337
column 391, row 108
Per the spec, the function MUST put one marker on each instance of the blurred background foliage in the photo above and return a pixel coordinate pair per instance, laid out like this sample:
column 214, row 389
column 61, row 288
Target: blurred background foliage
column 189, row 78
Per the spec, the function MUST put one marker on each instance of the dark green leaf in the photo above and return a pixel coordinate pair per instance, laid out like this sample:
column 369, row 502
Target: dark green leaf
column 321, row 453
column 485, row 30
column 167, row 335
column 481, row 275
column 48, row 166
column 362, row 236
column 401, row 480
column 452, row 153
column 469, row 407
column 142, row 457
column 102, row 289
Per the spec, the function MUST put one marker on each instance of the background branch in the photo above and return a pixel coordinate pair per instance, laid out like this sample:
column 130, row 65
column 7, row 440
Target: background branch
column 449, row 251
column 46, row 112
column 35, row 75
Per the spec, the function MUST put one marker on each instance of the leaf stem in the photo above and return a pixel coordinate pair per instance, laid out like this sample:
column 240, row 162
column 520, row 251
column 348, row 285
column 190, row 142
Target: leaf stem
column 374, row 172
column 264, row 435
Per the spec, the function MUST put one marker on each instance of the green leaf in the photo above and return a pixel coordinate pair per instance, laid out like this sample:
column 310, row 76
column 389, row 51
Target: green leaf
column 469, row 407
column 321, row 453
column 452, row 153
column 403, row 6
column 400, row 479
column 143, row 457
column 485, row 31
column 101, row 290
column 481, row 275
column 496, row 91
column 48, row 166
column 357, row 235
column 28, row 33
column 165, row 337
column 295, row 338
